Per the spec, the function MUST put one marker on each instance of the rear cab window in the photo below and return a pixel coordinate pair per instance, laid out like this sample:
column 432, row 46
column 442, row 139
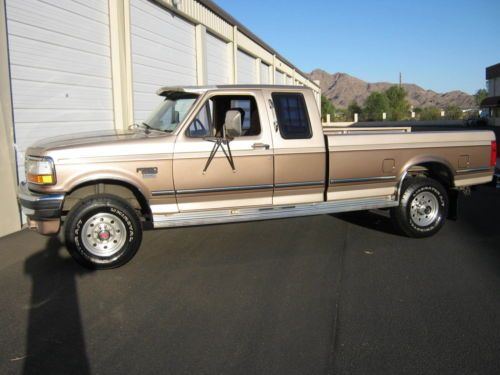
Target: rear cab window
column 292, row 116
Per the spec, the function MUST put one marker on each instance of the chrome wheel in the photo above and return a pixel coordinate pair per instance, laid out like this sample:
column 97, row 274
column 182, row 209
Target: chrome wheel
column 424, row 209
column 104, row 234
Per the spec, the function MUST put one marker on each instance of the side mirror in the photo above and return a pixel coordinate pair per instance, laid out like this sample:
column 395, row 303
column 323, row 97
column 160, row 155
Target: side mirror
column 232, row 123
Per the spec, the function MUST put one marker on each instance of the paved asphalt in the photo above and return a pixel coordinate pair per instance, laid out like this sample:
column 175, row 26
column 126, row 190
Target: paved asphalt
column 336, row 294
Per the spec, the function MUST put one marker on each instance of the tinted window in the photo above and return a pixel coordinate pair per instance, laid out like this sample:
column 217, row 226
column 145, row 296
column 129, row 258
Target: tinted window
column 292, row 117
column 202, row 125
column 210, row 119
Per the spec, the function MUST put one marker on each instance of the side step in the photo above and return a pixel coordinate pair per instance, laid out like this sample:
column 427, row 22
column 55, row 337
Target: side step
column 267, row 213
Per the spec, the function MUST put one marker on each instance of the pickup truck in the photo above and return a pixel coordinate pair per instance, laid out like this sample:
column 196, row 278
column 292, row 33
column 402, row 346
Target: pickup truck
column 221, row 154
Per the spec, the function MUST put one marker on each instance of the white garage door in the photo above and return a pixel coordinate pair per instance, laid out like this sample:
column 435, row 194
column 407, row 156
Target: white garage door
column 247, row 71
column 60, row 69
column 218, row 61
column 289, row 80
column 279, row 78
column 163, row 54
column 264, row 73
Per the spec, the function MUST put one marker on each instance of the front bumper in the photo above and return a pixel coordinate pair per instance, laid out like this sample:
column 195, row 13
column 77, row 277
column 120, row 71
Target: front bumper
column 42, row 210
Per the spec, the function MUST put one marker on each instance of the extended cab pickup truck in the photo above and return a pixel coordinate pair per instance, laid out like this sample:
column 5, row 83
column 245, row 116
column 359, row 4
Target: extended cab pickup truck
column 224, row 154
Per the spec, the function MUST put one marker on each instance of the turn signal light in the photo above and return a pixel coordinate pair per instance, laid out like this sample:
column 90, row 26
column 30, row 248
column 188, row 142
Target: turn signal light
column 40, row 179
column 493, row 160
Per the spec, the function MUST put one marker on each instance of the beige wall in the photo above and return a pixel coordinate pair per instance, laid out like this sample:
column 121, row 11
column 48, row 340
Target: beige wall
column 9, row 210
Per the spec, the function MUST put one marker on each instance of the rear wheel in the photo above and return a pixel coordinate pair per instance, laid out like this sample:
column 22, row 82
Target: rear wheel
column 103, row 231
column 422, row 209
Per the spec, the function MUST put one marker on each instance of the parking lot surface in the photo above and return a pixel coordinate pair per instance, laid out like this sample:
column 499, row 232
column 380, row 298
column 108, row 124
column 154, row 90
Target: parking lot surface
column 339, row 294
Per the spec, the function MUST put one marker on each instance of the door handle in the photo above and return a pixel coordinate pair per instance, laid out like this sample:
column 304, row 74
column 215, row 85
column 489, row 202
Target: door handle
column 260, row 145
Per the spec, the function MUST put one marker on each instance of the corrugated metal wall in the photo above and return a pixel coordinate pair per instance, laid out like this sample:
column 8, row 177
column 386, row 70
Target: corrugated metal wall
column 218, row 61
column 247, row 68
column 60, row 69
column 264, row 74
column 163, row 54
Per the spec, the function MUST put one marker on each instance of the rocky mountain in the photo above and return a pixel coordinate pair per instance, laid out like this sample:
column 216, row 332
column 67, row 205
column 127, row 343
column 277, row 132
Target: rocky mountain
column 341, row 89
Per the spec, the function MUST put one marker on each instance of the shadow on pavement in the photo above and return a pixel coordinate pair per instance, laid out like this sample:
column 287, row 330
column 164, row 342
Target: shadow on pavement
column 55, row 341
column 378, row 221
column 479, row 218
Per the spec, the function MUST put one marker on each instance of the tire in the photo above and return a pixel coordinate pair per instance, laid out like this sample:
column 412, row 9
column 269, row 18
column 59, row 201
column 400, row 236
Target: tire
column 102, row 232
column 422, row 209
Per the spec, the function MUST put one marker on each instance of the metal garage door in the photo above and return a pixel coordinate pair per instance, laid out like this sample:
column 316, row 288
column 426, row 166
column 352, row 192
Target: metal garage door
column 247, row 68
column 279, row 78
column 60, row 69
column 218, row 61
column 163, row 54
column 264, row 73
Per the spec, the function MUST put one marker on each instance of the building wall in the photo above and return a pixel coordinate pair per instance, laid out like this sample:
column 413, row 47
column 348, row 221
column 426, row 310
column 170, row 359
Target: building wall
column 84, row 67
column 9, row 217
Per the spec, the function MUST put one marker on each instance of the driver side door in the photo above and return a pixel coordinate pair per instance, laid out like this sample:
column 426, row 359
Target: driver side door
column 200, row 186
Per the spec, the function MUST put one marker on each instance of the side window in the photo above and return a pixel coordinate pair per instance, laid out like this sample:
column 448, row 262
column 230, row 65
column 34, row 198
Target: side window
column 210, row 120
column 202, row 125
column 245, row 105
column 291, row 112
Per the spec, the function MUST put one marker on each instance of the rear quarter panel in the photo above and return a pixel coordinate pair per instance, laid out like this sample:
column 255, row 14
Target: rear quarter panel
column 366, row 165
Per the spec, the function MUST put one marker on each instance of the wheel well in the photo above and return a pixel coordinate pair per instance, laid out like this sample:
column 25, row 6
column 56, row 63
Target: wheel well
column 442, row 174
column 124, row 190
column 435, row 170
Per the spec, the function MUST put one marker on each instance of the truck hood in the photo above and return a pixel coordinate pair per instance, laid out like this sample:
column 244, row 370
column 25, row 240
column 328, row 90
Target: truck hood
column 103, row 144
column 91, row 138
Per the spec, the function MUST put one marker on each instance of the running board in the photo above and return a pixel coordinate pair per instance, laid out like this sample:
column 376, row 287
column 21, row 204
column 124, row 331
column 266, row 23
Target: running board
column 267, row 213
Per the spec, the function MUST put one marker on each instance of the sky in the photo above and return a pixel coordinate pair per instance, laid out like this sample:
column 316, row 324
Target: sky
column 441, row 45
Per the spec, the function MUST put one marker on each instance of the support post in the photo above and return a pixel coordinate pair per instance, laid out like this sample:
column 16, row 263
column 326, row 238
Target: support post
column 121, row 63
column 201, row 55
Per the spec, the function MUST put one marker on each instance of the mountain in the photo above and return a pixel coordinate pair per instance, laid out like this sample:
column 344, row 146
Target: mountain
column 341, row 89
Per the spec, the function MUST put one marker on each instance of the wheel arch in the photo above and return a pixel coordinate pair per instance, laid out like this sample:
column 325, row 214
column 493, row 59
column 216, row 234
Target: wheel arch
column 123, row 189
column 437, row 169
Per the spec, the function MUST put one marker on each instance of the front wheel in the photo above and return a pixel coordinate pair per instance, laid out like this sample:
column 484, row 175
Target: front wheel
column 103, row 231
column 422, row 209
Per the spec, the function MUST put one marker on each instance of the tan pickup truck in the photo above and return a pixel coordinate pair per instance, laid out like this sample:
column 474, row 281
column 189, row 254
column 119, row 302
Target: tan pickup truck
column 223, row 154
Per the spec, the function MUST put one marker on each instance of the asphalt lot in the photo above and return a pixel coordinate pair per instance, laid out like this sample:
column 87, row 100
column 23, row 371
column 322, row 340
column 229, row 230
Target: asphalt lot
column 336, row 294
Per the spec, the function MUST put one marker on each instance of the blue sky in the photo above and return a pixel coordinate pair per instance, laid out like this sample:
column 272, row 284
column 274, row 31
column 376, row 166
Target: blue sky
column 441, row 45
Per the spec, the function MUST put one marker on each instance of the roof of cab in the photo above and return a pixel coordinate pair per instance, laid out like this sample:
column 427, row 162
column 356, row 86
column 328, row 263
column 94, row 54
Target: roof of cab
column 201, row 89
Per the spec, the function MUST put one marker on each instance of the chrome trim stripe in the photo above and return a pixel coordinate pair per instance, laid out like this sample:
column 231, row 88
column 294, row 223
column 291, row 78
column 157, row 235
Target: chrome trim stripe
column 159, row 193
column 475, row 170
column 267, row 213
column 362, row 179
column 299, row 184
column 224, row 189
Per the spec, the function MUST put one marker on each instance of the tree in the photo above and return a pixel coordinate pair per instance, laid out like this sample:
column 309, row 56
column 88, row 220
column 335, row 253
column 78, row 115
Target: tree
column 480, row 95
column 430, row 113
column 376, row 104
column 399, row 107
column 327, row 108
column 352, row 109
column 453, row 112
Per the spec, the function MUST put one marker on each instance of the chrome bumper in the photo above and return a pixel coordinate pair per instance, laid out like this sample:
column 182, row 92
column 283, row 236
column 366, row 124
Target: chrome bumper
column 39, row 206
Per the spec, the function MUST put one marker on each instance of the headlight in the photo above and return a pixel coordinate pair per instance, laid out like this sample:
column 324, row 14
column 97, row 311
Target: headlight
column 40, row 170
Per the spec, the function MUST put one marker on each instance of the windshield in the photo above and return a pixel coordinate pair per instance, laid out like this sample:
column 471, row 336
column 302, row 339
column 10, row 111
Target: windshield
column 171, row 112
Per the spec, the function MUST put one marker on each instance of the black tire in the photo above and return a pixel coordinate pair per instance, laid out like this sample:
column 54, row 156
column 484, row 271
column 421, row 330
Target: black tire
column 102, row 232
column 422, row 209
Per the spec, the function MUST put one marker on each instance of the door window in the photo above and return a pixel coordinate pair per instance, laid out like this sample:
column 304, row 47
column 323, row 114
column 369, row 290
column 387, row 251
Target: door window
column 291, row 113
column 210, row 119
